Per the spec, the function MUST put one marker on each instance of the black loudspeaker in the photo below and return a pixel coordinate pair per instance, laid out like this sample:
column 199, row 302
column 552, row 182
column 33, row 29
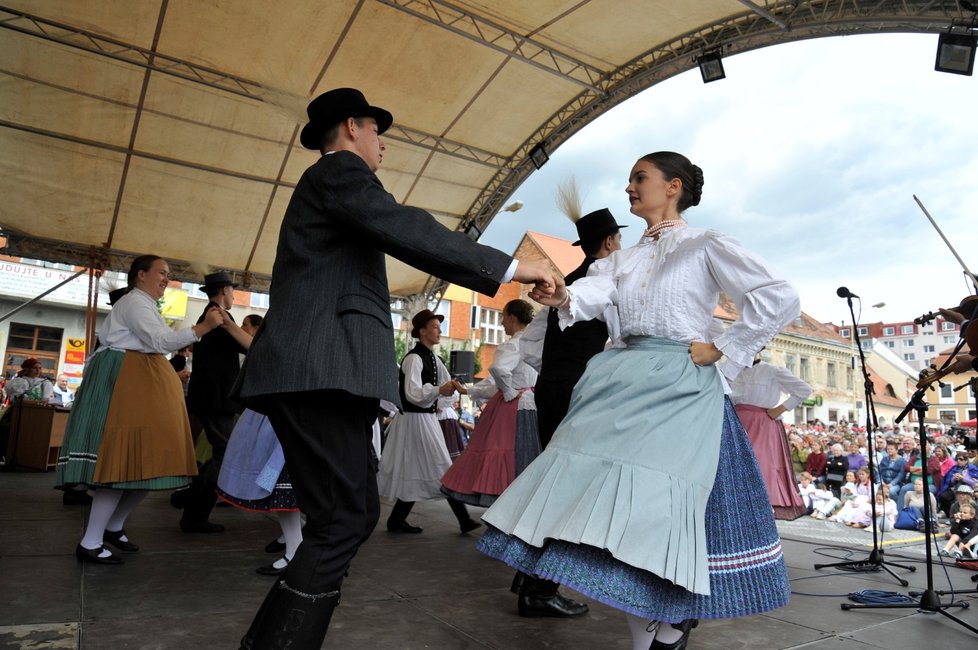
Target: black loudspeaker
column 461, row 363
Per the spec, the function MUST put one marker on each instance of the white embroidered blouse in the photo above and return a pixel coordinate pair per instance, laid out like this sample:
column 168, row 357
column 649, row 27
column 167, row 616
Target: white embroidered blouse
column 135, row 324
column 669, row 288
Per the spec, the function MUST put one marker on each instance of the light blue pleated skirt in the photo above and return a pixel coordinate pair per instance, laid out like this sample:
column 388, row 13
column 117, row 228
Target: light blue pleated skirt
column 626, row 504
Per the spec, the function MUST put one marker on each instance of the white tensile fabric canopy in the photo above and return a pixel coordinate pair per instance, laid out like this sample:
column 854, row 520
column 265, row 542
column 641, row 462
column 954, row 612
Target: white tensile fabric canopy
column 171, row 126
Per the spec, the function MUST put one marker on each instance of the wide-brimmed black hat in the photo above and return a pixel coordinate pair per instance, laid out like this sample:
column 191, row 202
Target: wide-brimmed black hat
column 422, row 318
column 218, row 280
column 334, row 106
column 596, row 226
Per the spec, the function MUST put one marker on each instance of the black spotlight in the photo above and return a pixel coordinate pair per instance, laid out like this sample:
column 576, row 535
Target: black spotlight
column 956, row 53
column 711, row 66
column 539, row 156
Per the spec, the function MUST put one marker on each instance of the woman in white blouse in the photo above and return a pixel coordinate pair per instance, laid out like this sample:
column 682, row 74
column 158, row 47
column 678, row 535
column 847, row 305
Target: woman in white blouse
column 128, row 431
column 629, row 503
column 506, row 437
column 756, row 394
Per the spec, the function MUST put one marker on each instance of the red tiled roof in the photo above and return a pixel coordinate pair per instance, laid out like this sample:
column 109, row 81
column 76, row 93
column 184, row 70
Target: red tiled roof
column 559, row 251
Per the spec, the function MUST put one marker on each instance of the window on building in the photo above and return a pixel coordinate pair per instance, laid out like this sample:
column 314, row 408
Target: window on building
column 193, row 291
column 804, row 370
column 889, row 331
column 950, row 340
column 890, row 344
column 971, row 414
column 908, row 343
column 929, row 348
column 444, row 308
column 790, row 362
column 258, row 300
column 909, row 356
column 42, row 343
column 947, row 391
column 849, row 378
column 888, row 391
column 833, row 415
column 844, row 333
column 490, row 326
column 906, row 329
column 947, row 416
column 863, row 331
column 830, row 370
column 866, row 344
column 946, row 326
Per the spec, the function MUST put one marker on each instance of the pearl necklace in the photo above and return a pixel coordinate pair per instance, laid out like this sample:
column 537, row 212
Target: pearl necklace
column 662, row 226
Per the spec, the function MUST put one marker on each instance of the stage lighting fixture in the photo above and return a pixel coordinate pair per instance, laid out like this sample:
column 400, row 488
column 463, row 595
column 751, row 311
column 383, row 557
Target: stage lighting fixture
column 711, row 66
column 539, row 156
column 956, row 53
column 473, row 232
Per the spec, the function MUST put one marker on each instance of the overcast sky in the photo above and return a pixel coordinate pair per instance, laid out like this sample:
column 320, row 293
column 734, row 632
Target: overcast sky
column 811, row 154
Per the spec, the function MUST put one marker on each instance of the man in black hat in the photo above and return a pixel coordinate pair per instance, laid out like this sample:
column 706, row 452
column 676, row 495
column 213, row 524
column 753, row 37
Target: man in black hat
column 566, row 352
column 564, row 357
column 324, row 355
column 216, row 367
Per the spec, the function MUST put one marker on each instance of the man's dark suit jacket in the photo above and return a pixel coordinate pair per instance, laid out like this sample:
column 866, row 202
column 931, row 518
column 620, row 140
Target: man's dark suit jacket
column 329, row 324
column 216, row 365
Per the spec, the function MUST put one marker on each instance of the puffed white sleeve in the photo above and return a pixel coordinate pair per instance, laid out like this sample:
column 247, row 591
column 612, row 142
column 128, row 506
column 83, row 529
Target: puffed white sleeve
column 146, row 324
column 798, row 390
column 416, row 392
column 503, row 364
column 593, row 295
column 531, row 346
column 765, row 303
column 484, row 389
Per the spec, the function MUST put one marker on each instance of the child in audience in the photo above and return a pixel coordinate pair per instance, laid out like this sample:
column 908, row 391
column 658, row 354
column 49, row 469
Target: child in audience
column 847, row 494
column 963, row 534
column 806, row 488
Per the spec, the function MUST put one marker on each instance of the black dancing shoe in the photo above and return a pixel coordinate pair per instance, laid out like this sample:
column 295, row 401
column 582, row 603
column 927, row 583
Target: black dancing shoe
column 469, row 526
column 271, row 569
column 180, row 498
column 92, row 555
column 680, row 644
column 402, row 527
column 76, row 498
column 275, row 546
column 555, row 606
column 115, row 539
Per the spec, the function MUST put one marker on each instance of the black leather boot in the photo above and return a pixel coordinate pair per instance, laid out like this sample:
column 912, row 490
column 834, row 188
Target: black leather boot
column 248, row 640
column 517, row 583
column 539, row 597
column 291, row 620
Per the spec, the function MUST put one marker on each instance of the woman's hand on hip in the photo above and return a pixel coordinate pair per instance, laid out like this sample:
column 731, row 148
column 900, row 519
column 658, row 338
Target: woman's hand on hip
column 704, row 354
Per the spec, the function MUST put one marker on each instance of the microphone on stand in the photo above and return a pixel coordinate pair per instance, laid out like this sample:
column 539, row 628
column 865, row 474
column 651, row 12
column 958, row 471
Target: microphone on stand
column 843, row 292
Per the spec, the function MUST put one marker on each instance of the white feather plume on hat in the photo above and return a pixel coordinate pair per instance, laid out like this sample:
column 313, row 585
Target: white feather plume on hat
column 568, row 197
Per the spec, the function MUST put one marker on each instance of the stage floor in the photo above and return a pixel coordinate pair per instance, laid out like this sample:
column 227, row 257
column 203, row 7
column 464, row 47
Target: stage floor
column 432, row 590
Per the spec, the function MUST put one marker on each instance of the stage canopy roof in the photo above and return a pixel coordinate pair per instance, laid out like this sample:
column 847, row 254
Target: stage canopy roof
column 171, row 126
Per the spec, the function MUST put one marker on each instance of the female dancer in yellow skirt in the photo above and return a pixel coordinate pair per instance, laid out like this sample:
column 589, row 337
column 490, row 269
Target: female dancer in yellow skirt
column 128, row 432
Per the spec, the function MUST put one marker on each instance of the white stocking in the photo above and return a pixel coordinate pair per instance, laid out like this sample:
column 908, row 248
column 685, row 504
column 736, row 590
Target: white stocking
column 643, row 631
column 127, row 504
column 104, row 504
column 291, row 531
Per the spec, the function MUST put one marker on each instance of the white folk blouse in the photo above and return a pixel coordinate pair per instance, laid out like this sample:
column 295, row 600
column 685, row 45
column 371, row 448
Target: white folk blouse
column 669, row 288
column 135, row 324
column 762, row 385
